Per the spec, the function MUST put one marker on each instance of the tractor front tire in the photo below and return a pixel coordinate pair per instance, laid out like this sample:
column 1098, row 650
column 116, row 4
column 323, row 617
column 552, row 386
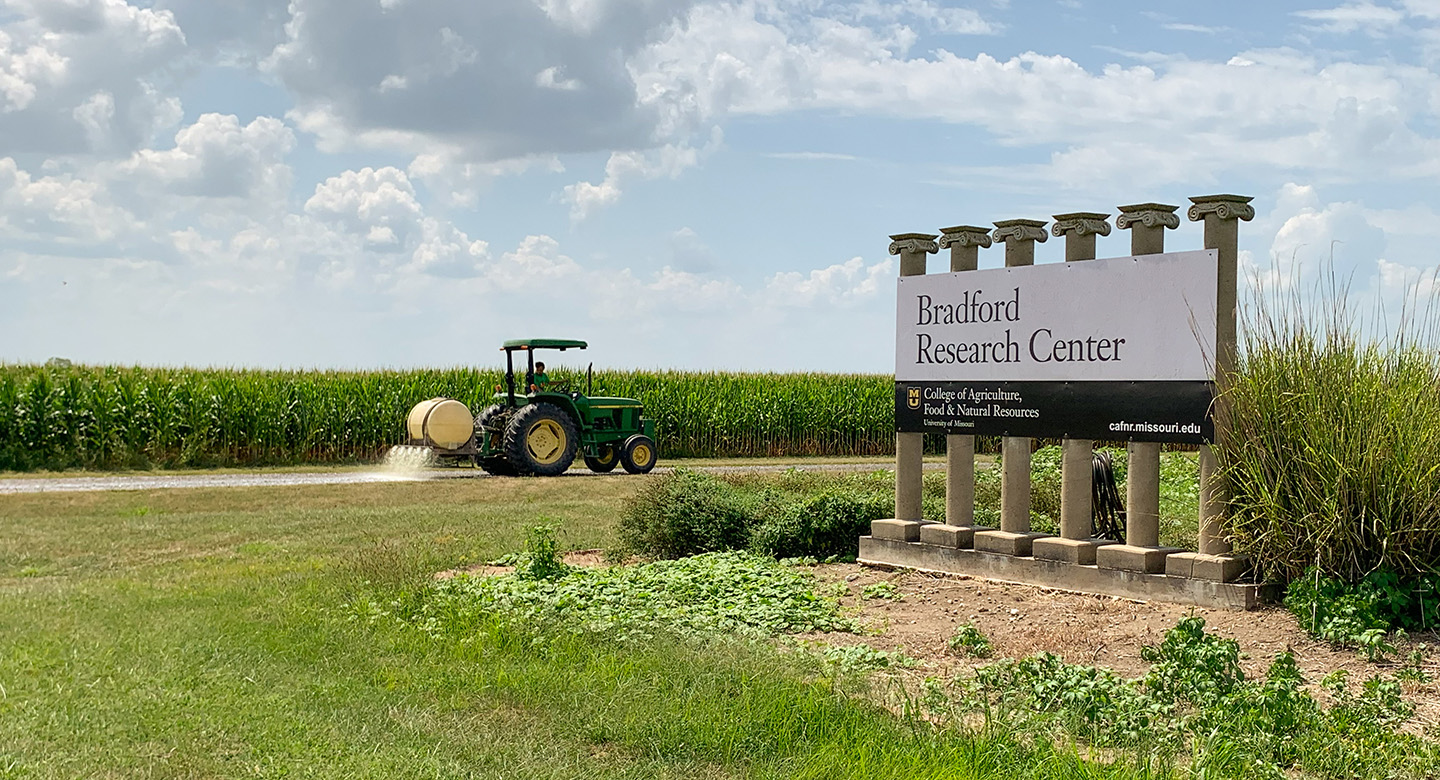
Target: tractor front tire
column 492, row 417
column 541, row 439
column 638, row 455
column 605, row 461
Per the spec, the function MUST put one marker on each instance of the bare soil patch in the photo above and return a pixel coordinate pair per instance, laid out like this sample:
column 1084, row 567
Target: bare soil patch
column 1105, row 631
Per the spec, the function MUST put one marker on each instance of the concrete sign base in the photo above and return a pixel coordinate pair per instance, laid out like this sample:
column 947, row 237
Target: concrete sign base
column 1065, row 576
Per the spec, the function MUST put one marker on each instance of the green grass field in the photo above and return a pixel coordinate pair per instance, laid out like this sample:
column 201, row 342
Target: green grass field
column 205, row 633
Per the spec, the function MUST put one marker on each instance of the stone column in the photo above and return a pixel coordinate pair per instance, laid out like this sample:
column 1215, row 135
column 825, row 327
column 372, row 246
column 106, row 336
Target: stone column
column 1222, row 215
column 1075, row 543
column 1014, row 537
column 1142, row 552
column 958, row 530
column 909, row 447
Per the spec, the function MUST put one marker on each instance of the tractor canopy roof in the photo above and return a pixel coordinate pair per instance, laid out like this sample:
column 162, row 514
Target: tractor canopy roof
column 560, row 344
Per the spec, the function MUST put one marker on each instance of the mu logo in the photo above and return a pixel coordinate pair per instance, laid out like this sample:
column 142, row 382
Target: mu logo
column 912, row 397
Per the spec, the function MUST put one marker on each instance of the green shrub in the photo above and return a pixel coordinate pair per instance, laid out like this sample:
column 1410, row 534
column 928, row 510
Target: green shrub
column 800, row 513
column 820, row 526
column 1193, row 667
column 790, row 515
column 685, row 513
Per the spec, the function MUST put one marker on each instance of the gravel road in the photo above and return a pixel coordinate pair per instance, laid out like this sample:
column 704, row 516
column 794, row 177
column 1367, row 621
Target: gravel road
column 260, row 479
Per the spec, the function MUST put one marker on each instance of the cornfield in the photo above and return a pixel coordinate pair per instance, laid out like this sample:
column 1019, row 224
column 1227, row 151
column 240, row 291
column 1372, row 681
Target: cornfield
column 54, row 417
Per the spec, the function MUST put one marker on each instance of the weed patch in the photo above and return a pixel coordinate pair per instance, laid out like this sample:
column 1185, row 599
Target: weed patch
column 969, row 641
column 1195, row 696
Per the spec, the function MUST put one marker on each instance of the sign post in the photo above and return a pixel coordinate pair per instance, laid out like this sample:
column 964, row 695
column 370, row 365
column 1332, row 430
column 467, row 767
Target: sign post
column 1075, row 543
column 958, row 531
column 910, row 445
column 1014, row 537
column 1147, row 223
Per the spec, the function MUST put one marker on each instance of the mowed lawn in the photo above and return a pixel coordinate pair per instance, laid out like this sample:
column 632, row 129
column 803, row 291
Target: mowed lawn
column 207, row 633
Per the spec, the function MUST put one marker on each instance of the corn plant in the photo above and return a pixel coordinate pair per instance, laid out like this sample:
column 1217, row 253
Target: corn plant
column 61, row 417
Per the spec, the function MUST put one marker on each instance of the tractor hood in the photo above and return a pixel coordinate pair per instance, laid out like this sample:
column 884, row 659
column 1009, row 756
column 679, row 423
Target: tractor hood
column 602, row 402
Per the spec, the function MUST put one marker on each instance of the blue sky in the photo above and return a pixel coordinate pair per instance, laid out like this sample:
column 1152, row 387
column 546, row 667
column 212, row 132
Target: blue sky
column 684, row 183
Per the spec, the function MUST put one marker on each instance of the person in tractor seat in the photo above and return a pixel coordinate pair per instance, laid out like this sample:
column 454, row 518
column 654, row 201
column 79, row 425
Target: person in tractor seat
column 539, row 379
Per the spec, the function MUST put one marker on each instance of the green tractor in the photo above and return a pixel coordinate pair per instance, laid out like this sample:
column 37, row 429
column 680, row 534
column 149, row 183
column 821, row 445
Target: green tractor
column 538, row 430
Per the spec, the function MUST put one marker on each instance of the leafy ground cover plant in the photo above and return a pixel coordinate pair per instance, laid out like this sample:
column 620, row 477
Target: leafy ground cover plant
column 724, row 593
column 864, row 658
column 1195, row 699
column 1362, row 614
column 881, row 590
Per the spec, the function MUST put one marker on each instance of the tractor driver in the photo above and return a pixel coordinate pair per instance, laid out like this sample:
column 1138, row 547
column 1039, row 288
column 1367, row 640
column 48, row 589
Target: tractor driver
column 540, row 378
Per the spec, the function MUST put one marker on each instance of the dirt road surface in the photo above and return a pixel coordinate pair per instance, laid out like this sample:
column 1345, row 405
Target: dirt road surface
column 263, row 479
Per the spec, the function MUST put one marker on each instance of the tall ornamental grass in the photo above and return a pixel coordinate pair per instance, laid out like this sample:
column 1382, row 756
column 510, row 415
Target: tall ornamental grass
column 1334, row 456
column 59, row 417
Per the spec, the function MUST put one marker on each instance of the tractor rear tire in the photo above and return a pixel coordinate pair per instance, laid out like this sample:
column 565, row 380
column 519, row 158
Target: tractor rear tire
column 541, row 439
column 638, row 455
column 605, row 461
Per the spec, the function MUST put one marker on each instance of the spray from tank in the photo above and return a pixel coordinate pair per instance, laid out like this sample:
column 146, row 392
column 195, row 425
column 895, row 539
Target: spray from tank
column 406, row 458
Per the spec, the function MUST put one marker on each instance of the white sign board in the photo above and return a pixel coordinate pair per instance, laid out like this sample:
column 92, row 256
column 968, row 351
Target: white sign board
column 1127, row 319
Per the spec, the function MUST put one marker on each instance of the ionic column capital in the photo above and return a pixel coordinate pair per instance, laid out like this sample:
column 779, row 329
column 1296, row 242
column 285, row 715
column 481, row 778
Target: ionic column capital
column 1225, row 207
column 1081, row 223
column 1020, row 230
column 964, row 236
column 913, row 242
column 1150, row 215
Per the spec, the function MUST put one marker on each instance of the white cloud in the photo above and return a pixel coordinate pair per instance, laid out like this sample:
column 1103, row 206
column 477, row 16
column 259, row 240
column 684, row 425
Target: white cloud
column 1190, row 119
column 22, row 72
column 56, row 208
column 668, row 161
column 843, row 284
column 217, row 157
column 1334, row 235
column 80, row 75
column 1195, row 28
column 458, row 182
column 933, row 16
column 689, row 253
column 1355, row 16
column 498, row 79
column 377, row 204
